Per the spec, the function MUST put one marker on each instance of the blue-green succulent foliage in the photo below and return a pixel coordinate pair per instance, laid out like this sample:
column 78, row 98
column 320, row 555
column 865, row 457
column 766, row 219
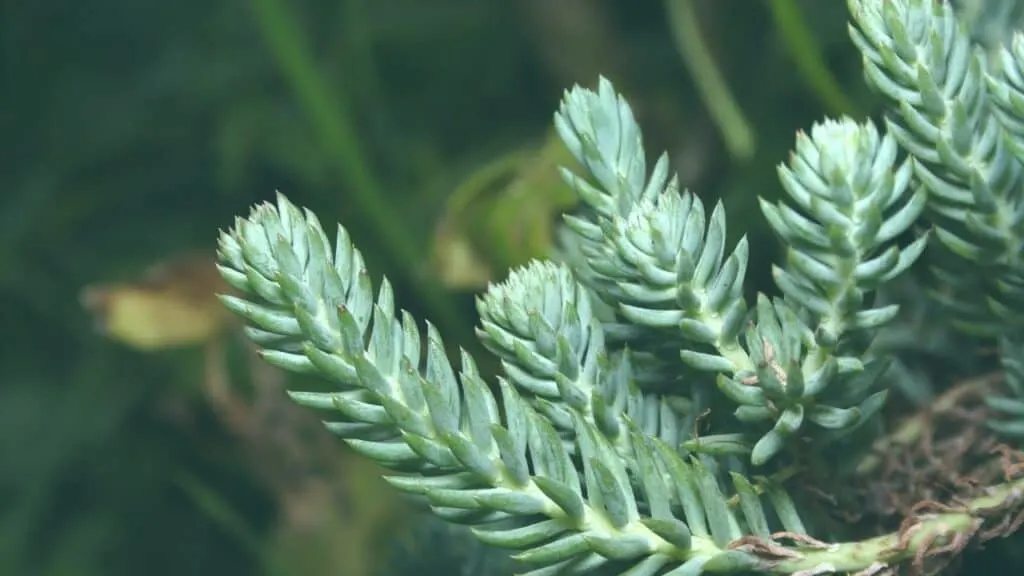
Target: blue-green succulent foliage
column 571, row 458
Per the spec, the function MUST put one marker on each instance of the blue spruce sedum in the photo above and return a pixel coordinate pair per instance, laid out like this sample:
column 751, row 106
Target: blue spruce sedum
column 572, row 459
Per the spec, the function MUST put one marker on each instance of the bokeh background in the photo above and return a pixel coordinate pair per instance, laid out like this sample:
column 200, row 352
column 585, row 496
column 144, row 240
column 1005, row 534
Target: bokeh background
column 138, row 434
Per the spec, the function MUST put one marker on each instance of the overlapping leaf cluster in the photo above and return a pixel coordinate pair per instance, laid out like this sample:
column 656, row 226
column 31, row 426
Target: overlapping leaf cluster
column 611, row 489
column 961, row 119
column 649, row 250
column 584, row 454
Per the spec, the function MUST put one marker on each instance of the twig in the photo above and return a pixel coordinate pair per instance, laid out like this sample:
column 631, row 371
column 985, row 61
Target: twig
column 912, row 429
column 922, row 535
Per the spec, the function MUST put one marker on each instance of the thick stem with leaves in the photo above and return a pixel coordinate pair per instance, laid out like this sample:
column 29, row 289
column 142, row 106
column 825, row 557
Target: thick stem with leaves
column 569, row 459
column 649, row 250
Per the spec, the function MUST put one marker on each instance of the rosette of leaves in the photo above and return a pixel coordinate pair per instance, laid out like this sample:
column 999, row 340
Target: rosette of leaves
column 541, row 324
column 651, row 251
column 646, row 247
column 850, row 202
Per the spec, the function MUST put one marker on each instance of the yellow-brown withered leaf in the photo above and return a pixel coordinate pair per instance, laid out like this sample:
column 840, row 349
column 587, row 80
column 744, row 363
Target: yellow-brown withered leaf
column 174, row 304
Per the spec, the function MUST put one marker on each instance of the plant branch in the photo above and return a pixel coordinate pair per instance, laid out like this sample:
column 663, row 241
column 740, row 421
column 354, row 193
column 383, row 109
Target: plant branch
column 937, row 529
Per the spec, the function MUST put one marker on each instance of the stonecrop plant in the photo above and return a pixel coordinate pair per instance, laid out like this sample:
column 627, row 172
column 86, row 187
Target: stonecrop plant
column 649, row 418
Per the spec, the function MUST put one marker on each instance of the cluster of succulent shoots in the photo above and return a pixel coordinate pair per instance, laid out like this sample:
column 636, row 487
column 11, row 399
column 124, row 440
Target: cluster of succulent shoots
column 648, row 418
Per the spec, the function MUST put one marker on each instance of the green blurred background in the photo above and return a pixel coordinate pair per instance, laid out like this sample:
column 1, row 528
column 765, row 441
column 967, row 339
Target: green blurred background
column 138, row 433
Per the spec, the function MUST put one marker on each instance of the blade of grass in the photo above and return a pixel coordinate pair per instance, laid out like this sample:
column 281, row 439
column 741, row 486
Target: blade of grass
column 329, row 114
column 806, row 55
column 736, row 130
